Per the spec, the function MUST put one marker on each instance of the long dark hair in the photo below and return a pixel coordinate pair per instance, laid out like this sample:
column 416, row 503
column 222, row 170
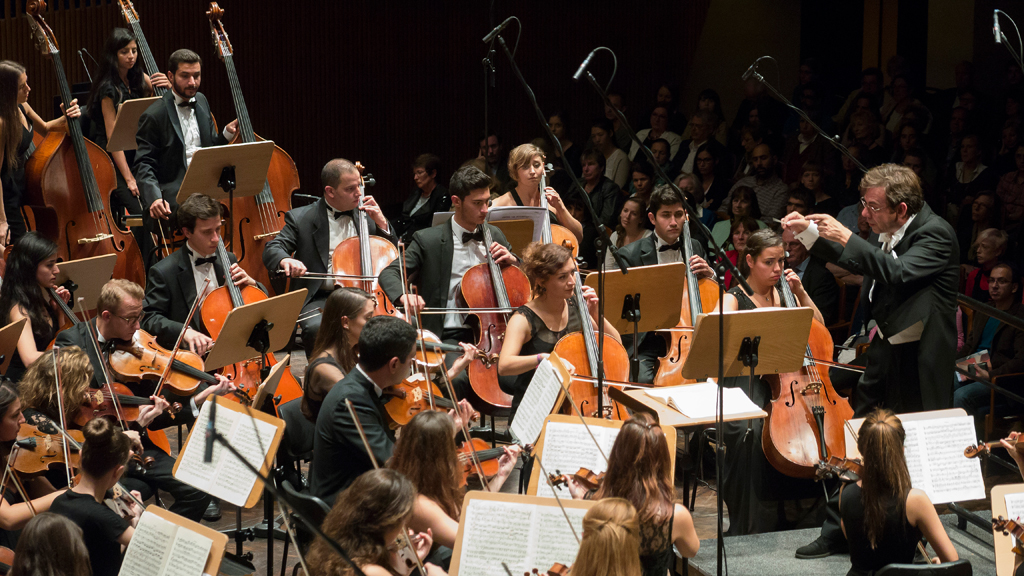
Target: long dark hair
column 343, row 302
column 639, row 470
column 425, row 453
column 758, row 241
column 10, row 78
column 20, row 287
column 885, row 479
column 51, row 544
column 107, row 75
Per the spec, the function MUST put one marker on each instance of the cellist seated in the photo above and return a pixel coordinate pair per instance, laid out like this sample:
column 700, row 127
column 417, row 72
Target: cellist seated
column 311, row 233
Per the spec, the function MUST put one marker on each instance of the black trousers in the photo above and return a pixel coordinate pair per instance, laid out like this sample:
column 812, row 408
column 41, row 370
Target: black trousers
column 188, row 501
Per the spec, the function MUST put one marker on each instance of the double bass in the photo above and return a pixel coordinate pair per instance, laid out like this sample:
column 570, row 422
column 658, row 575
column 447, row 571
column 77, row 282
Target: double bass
column 257, row 219
column 71, row 180
column 806, row 416
column 700, row 296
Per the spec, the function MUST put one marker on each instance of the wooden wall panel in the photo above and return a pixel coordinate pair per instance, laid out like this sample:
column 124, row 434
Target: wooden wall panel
column 383, row 81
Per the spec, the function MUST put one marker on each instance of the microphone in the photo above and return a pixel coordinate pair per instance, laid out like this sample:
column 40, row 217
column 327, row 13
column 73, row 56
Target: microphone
column 211, row 425
column 583, row 66
column 497, row 30
column 750, row 71
column 84, row 65
column 995, row 27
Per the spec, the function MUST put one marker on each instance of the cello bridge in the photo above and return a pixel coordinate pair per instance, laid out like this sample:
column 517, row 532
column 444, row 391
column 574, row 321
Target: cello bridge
column 267, row 235
column 97, row 238
column 812, row 388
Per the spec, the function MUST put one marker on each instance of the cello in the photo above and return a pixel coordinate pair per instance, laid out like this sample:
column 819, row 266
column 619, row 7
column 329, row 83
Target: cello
column 700, row 296
column 357, row 261
column 806, row 416
column 258, row 219
column 72, row 179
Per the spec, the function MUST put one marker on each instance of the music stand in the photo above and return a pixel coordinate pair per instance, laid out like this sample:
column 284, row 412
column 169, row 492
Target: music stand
column 255, row 329
column 519, row 233
column 9, row 336
column 657, row 312
column 126, row 124
column 85, row 278
column 269, row 385
column 227, row 171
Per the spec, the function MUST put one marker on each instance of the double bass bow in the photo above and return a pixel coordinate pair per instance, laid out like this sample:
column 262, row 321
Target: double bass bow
column 72, row 180
column 257, row 219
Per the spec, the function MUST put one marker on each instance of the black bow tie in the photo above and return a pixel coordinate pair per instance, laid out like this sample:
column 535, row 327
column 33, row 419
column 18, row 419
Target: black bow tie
column 338, row 214
column 468, row 236
column 210, row 260
column 191, row 103
column 108, row 346
column 667, row 247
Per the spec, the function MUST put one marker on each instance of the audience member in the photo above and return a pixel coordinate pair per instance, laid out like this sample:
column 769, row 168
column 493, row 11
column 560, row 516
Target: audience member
column 742, row 203
column 920, row 163
column 643, row 181
column 846, row 186
column 619, row 135
column 812, row 180
column 800, row 201
column 428, row 197
column 1004, row 159
column 1011, row 185
column 616, row 162
column 630, row 228
column 771, row 191
column 750, row 138
column 661, row 150
column 770, row 112
column 985, row 213
column 903, row 95
column 715, row 188
column 740, row 230
column 604, row 194
column 658, row 130
column 819, row 283
column 948, row 150
column 866, row 130
column 496, row 166
column 871, row 82
column 709, row 100
column 668, row 94
column 559, row 123
column 804, row 147
column 702, row 126
column 987, row 251
column 966, row 178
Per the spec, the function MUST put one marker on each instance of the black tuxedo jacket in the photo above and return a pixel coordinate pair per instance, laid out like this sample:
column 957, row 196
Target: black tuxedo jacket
column 428, row 262
column 307, row 238
column 821, row 286
column 408, row 223
column 160, row 159
column 918, row 285
column 339, row 456
column 170, row 293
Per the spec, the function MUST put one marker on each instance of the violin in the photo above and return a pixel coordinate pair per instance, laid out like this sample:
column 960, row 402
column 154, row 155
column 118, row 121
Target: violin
column 846, row 469
column 433, row 353
column 144, row 359
column 409, row 398
column 359, row 260
column 488, row 285
column 700, row 296
column 487, row 456
column 99, row 402
column 257, row 219
column 557, row 569
column 37, row 451
column 1010, row 527
column 70, row 181
column 584, row 477
column 806, row 416
column 985, row 448
column 6, row 559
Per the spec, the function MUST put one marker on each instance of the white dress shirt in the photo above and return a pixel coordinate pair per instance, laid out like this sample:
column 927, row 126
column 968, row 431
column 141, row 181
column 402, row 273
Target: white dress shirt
column 668, row 256
column 464, row 257
column 805, row 142
column 376, row 389
column 341, row 228
column 691, row 156
column 203, row 272
column 190, row 128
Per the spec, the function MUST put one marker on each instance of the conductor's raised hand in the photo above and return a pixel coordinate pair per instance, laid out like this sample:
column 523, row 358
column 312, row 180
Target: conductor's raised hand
column 292, row 267
column 830, row 229
column 501, row 255
column 795, row 222
column 240, row 277
column 369, row 205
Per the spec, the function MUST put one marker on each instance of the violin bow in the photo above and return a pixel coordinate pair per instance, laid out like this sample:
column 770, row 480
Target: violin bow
column 465, row 431
column 544, row 474
column 415, row 319
column 63, row 421
column 10, row 472
column 69, row 440
column 181, row 336
column 366, row 444
column 580, row 415
column 94, row 339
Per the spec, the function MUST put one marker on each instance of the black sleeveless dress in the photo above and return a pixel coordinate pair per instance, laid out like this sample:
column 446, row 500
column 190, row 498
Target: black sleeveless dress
column 312, row 400
column 542, row 341
column 13, row 182
column 519, row 202
column 656, row 554
column 896, row 545
column 42, row 335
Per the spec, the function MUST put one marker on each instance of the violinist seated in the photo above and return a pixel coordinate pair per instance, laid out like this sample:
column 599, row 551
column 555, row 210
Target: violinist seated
column 882, row 516
column 106, row 533
column 370, row 517
column 311, row 233
column 426, row 454
column 1015, row 448
column 15, row 512
column 1005, row 345
column 538, row 325
column 118, row 312
column 440, row 256
column 666, row 212
column 170, row 131
column 26, row 293
column 526, row 166
column 387, row 350
column 639, row 460
column 173, row 283
column 610, row 543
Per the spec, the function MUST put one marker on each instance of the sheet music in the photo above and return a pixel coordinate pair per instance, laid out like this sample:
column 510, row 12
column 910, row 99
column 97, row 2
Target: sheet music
column 522, row 535
column 568, row 447
column 162, row 548
column 537, row 403
column 935, row 458
column 225, row 476
column 1014, row 506
column 701, row 400
column 536, row 214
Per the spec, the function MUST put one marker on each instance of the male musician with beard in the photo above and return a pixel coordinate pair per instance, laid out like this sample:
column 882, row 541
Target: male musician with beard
column 667, row 213
column 170, row 132
column 118, row 313
column 174, row 282
column 909, row 290
column 311, row 233
column 439, row 256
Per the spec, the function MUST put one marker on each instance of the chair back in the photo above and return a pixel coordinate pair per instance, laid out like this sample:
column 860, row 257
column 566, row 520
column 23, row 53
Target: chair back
column 959, row 568
column 297, row 441
column 313, row 508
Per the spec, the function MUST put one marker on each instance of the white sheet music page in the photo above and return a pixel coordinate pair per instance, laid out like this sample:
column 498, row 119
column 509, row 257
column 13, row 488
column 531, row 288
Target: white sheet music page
column 162, row 548
column 701, row 400
column 537, row 403
column 935, row 458
column 568, row 447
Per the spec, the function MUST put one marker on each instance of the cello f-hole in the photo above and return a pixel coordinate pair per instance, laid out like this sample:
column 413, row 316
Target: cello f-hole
column 792, row 394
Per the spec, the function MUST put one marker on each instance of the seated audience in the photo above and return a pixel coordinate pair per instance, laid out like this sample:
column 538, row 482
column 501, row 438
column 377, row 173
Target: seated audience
column 743, row 203
column 812, row 180
column 739, row 232
column 1011, row 185
column 987, row 251
column 702, row 127
column 709, row 100
column 966, row 178
column 559, row 123
column 643, row 181
column 771, row 191
column 819, row 283
column 805, row 147
column 604, row 194
column 630, row 229
column 985, row 213
column 750, row 138
column 658, row 130
column 428, row 197
column 715, row 188
column 616, row 163
column 800, row 201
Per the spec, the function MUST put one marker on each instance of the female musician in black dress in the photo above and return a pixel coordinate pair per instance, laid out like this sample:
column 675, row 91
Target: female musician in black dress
column 25, row 293
column 18, row 123
column 536, row 327
column 525, row 167
column 753, row 487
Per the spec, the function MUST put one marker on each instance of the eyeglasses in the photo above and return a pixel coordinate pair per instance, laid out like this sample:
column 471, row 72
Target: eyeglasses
column 130, row 319
column 871, row 207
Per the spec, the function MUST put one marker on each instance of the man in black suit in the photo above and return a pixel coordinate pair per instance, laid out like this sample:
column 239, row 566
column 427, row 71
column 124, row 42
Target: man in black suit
column 311, row 233
column 909, row 290
column 387, row 347
column 666, row 212
column 819, row 283
column 118, row 312
column 438, row 257
column 174, row 282
column 428, row 197
column 170, row 132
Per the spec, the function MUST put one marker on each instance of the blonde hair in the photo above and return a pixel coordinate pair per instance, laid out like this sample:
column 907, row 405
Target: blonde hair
column 900, row 184
column 37, row 388
column 116, row 291
column 611, row 541
column 520, row 158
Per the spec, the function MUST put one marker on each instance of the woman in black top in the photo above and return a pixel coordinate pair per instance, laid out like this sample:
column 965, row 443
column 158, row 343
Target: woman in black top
column 525, row 166
column 883, row 518
column 104, row 455
column 529, row 336
column 31, row 271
